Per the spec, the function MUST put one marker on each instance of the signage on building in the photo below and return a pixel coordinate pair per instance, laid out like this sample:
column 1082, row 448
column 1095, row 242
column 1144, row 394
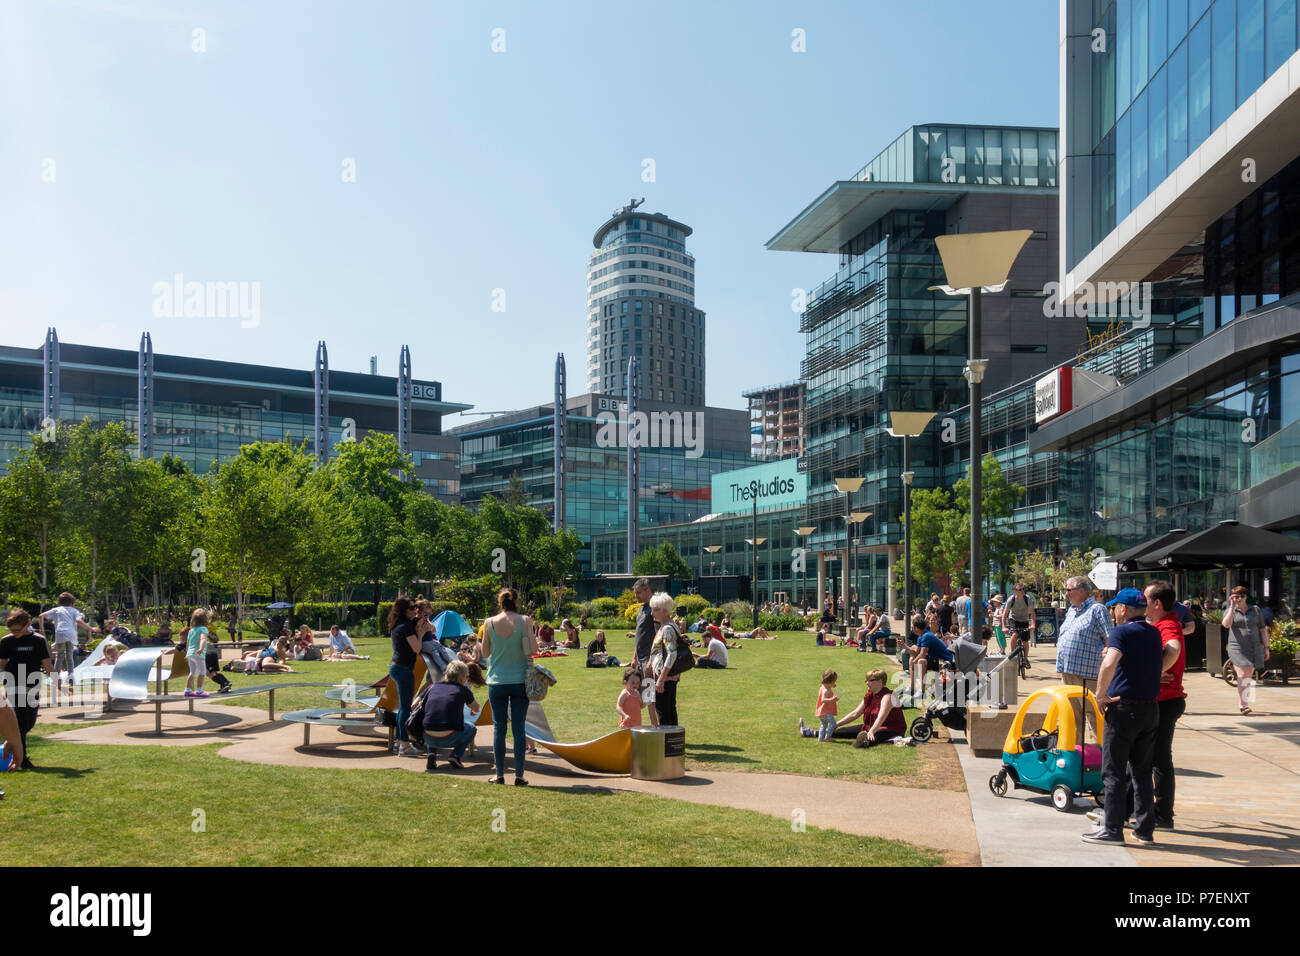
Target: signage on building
column 424, row 391
column 1053, row 394
column 778, row 484
column 1066, row 388
column 610, row 405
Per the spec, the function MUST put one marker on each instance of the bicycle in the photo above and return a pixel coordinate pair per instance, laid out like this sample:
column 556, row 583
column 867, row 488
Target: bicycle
column 1021, row 652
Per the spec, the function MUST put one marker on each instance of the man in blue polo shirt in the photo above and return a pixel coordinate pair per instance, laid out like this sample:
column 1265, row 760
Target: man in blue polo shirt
column 1127, row 688
column 926, row 653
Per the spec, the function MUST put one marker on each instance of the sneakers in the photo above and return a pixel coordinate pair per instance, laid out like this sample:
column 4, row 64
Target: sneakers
column 805, row 730
column 225, row 688
column 190, row 693
column 1103, row 838
column 1099, row 818
column 1143, row 840
column 1164, row 823
column 201, row 693
column 407, row 750
column 904, row 742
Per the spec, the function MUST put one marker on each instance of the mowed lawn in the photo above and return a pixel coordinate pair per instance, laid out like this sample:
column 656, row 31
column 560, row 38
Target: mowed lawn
column 741, row 718
column 106, row 805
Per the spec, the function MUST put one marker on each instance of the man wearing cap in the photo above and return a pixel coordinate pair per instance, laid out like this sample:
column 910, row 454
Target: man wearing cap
column 1127, row 687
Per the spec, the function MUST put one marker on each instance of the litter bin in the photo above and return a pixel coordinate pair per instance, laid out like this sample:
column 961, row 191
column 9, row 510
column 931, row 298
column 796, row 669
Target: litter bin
column 1005, row 684
column 658, row 753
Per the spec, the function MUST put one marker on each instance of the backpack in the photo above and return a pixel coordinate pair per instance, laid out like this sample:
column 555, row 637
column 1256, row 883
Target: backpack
column 685, row 660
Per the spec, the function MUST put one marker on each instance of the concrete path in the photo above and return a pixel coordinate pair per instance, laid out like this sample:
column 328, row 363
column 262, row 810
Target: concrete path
column 935, row 819
column 1238, row 789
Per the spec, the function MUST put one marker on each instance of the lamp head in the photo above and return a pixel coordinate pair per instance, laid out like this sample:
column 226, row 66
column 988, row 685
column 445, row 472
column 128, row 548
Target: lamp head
column 909, row 424
column 907, row 477
column 849, row 485
column 980, row 259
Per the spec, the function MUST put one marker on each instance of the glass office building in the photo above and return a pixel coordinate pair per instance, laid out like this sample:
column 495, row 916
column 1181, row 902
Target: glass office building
column 674, row 481
column 204, row 410
column 1182, row 170
column 878, row 340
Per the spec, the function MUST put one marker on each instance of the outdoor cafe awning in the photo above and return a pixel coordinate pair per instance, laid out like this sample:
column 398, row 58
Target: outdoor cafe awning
column 1229, row 544
column 1131, row 560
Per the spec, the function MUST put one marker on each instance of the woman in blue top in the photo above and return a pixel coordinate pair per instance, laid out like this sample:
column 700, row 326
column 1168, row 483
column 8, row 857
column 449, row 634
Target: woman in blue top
column 405, row 633
column 508, row 646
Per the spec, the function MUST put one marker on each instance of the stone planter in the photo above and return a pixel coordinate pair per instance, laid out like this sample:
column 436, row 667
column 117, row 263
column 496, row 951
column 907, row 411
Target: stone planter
column 1214, row 647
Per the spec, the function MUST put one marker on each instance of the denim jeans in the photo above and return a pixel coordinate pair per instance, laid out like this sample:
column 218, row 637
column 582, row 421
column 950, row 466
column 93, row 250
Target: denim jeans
column 827, row 729
column 404, row 678
column 457, row 743
column 509, row 703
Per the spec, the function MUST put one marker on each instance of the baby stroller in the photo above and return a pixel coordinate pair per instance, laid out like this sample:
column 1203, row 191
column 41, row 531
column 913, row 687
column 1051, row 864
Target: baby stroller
column 960, row 683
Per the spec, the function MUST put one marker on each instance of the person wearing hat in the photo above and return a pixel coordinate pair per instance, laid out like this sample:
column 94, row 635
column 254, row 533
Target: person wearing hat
column 995, row 618
column 1127, row 687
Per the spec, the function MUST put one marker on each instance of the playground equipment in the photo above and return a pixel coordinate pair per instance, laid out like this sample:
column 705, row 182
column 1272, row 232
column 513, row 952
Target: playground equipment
column 611, row 753
column 1053, row 758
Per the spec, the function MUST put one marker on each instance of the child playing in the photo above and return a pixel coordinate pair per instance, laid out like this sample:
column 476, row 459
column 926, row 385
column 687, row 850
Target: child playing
column 630, row 703
column 212, row 661
column 195, row 640
column 826, row 709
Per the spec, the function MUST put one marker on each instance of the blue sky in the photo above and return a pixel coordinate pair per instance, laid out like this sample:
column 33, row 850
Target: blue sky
column 474, row 170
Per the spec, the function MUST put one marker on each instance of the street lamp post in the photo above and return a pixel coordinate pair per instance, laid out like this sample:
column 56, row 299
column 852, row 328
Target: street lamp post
column 847, row 486
column 803, row 531
column 908, row 425
column 857, row 517
column 974, row 263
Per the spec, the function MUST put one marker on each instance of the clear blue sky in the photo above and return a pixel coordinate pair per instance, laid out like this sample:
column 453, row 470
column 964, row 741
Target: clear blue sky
column 474, row 170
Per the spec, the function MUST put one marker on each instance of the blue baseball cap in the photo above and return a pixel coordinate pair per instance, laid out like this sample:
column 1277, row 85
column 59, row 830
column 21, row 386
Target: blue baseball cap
column 1130, row 596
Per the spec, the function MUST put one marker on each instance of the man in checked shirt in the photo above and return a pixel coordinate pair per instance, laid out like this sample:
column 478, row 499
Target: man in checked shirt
column 1082, row 639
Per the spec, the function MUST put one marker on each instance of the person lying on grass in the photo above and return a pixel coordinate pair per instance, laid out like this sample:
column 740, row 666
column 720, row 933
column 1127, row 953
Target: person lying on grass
column 882, row 718
column 341, row 646
column 270, row 659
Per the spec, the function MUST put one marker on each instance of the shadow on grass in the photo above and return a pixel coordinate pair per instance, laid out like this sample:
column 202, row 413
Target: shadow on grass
column 706, row 756
column 65, row 773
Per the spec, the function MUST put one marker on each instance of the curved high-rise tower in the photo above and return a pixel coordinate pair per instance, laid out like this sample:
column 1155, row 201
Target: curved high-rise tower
column 641, row 303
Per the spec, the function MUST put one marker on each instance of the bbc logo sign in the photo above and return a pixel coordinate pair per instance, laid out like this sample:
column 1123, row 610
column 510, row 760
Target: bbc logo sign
column 425, row 391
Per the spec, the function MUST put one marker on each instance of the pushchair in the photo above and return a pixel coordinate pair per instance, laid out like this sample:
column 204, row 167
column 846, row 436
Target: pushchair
column 960, row 683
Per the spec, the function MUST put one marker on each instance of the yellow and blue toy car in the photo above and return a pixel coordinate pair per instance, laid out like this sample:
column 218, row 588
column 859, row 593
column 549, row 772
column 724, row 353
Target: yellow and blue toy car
column 1052, row 759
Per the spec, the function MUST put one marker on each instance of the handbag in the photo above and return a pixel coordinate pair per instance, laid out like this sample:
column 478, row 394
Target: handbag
column 415, row 722
column 537, row 681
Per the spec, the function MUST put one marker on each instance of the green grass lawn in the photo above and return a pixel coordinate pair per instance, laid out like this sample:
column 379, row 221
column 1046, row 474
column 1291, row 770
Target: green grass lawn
column 741, row 718
column 135, row 805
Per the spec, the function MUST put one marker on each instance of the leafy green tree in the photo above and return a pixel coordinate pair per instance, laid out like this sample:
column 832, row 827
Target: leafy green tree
column 664, row 559
column 97, row 489
column 30, row 513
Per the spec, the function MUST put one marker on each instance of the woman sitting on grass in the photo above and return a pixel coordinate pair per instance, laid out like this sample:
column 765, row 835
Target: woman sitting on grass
column 304, row 646
column 270, row 659
column 571, row 638
column 881, row 715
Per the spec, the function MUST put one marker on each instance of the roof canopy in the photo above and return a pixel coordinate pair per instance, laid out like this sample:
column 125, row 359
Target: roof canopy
column 1229, row 544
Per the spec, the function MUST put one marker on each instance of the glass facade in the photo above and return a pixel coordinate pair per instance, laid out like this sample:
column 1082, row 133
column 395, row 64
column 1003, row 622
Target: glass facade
column 1184, row 466
column 218, row 413
column 674, row 487
column 1170, row 73
column 983, row 155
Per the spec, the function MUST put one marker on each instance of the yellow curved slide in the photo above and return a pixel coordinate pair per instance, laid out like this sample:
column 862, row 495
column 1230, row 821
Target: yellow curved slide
column 611, row 753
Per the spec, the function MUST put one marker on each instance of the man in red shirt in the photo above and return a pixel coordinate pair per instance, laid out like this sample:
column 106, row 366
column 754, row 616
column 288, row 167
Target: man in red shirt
column 1172, row 700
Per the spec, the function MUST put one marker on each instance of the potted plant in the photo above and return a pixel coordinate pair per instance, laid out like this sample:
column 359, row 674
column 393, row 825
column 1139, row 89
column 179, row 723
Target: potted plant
column 1214, row 641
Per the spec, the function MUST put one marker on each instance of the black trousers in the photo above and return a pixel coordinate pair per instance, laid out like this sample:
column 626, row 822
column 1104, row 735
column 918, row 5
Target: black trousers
column 212, row 661
column 26, row 721
column 1163, row 762
column 666, row 703
column 1126, row 756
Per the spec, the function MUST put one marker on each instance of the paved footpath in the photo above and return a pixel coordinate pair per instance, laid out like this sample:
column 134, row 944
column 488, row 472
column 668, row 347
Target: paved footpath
column 935, row 819
column 1238, row 789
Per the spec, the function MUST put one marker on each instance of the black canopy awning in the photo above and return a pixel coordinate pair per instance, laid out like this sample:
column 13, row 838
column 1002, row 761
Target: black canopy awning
column 1229, row 544
column 1131, row 560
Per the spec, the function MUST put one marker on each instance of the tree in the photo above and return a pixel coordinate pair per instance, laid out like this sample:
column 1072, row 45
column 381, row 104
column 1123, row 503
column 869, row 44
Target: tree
column 515, row 496
column 663, row 559
column 941, row 525
column 30, row 510
column 97, row 491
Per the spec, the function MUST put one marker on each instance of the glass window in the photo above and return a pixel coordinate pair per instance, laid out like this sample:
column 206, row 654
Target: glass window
column 1177, row 76
column 993, row 157
column 1281, row 33
column 1198, row 85
column 1011, row 157
column 1157, row 34
column 1140, row 33
column 1123, row 55
column 1250, row 47
column 1158, row 138
column 1177, row 22
column 1123, row 169
column 1138, row 124
column 1223, row 71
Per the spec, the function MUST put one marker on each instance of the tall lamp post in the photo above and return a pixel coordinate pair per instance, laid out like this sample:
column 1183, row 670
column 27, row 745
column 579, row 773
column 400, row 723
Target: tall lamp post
column 847, row 486
column 856, row 517
column 908, row 425
column 803, row 531
column 754, row 572
column 974, row 263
